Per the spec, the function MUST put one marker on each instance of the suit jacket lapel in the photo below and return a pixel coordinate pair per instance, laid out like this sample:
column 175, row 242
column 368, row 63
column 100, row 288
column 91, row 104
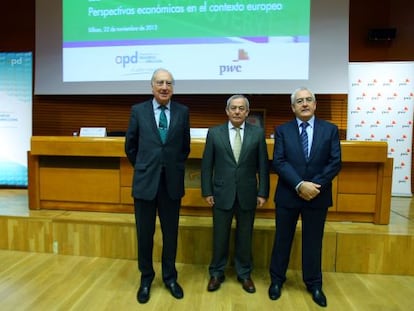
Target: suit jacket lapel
column 247, row 138
column 151, row 118
column 173, row 118
column 225, row 138
column 316, row 138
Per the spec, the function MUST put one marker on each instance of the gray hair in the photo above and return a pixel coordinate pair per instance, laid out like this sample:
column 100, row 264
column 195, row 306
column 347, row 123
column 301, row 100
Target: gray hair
column 156, row 71
column 302, row 88
column 246, row 101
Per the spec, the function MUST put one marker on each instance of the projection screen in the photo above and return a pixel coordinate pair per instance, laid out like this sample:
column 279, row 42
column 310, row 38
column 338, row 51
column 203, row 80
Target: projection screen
column 211, row 47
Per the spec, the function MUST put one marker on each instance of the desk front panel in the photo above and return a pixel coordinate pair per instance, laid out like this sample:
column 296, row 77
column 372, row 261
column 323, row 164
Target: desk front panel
column 77, row 174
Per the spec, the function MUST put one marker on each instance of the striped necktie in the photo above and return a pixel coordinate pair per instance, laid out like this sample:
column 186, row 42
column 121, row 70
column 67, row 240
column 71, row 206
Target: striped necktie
column 304, row 139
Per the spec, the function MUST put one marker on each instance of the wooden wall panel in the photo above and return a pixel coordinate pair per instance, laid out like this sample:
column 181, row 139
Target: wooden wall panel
column 63, row 115
column 371, row 14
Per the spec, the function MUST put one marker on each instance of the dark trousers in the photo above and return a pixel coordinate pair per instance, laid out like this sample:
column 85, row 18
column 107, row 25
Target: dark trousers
column 222, row 220
column 313, row 223
column 145, row 218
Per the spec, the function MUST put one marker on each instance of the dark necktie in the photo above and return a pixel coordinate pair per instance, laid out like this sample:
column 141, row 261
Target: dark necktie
column 163, row 124
column 304, row 138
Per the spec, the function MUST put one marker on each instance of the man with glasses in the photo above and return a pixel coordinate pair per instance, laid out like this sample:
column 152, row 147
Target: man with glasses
column 306, row 157
column 157, row 144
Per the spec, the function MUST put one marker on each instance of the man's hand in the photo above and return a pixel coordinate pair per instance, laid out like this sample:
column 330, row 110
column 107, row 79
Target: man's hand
column 209, row 200
column 309, row 190
column 261, row 201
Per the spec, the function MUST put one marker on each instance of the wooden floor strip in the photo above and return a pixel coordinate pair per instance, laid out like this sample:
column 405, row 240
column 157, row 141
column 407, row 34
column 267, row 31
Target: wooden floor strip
column 43, row 282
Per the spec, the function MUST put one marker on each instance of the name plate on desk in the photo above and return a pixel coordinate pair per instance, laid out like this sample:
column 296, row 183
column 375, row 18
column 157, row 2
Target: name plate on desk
column 198, row 132
column 92, row 132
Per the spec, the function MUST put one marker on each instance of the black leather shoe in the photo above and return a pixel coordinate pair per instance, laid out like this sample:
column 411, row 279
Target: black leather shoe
column 318, row 297
column 275, row 290
column 143, row 294
column 247, row 285
column 175, row 290
column 214, row 283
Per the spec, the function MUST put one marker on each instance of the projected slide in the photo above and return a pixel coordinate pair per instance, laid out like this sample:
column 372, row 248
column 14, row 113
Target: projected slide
column 109, row 40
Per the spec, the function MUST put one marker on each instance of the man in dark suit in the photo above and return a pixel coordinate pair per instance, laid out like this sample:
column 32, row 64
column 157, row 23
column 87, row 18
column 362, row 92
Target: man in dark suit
column 234, row 180
column 306, row 158
column 157, row 144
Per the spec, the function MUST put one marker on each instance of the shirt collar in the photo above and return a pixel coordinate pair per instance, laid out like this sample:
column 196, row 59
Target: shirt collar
column 155, row 104
column 231, row 126
column 311, row 121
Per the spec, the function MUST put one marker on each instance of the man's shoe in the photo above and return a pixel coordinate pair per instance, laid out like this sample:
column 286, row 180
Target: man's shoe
column 275, row 290
column 143, row 293
column 175, row 290
column 214, row 283
column 247, row 285
column 318, row 297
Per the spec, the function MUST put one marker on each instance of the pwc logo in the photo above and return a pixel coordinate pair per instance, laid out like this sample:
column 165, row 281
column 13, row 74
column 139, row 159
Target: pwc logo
column 234, row 68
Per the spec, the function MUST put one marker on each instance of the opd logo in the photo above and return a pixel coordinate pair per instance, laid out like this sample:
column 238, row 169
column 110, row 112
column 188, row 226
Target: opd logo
column 125, row 60
column 16, row 61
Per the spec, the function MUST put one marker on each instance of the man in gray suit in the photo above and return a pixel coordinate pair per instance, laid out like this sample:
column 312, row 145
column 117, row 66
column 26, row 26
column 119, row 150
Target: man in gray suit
column 234, row 180
column 157, row 144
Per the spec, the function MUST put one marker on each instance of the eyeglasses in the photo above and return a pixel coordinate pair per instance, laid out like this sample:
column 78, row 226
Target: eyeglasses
column 162, row 82
column 301, row 101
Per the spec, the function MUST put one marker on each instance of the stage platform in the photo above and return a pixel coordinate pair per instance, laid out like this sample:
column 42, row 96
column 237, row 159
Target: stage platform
column 348, row 247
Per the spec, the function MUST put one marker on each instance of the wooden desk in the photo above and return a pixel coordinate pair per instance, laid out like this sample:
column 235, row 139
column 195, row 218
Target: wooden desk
column 93, row 174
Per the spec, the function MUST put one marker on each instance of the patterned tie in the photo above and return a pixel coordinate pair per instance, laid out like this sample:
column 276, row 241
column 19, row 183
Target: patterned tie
column 163, row 124
column 304, row 138
column 237, row 144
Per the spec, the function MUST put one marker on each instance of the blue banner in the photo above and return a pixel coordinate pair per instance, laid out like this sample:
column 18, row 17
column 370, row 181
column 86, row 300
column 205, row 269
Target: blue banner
column 15, row 116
